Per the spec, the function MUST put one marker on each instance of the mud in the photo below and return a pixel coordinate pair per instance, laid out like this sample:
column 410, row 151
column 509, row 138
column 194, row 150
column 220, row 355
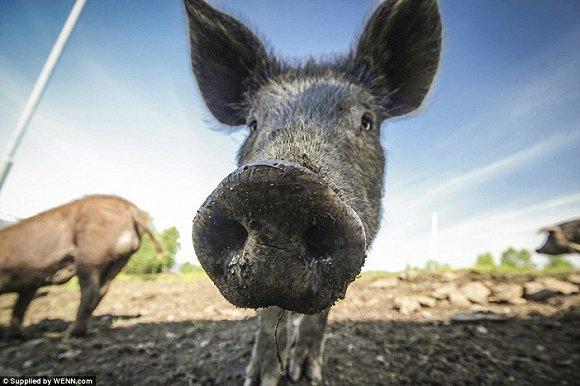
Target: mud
column 177, row 332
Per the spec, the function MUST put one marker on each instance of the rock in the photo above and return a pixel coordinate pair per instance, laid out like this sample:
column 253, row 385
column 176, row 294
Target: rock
column 426, row 301
column 542, row 289
column 480, row 308
column 449, row 276
column 574, row 278
column 458, row 299
column 535, row 290
column 34, row 342
column 27, row 364
column 451, row 292
column 408, row 275
column 469, row 317
column 170, row 335
column 407, row 304
column 507, row 293
column 481, row 330
column 389, row 282
column 560, row 286
column 70, row 354
column 442, row 292
column 476, row 292
column 144, row 346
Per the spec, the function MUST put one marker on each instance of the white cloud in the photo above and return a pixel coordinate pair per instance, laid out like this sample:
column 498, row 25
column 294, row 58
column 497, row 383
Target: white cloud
column 460, row 243
column 165, row 163
column 162, row 156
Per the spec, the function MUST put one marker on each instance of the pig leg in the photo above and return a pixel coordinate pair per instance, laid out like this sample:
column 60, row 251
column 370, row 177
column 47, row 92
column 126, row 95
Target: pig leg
column 89, row 280
column 109, row 274
column 306, row 347
column 264, row 368
column 97, row 285
column 24, row 298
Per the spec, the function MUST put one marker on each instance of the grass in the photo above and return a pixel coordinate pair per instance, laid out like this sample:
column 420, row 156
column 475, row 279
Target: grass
column 535, row 271
column 197, row 273
column 375, row 275
column 193, row 275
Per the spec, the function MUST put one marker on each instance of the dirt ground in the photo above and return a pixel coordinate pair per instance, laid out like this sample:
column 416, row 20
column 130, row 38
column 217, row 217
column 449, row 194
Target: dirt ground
column 181, row 332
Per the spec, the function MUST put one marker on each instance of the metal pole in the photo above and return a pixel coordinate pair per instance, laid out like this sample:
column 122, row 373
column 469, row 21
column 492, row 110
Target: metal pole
column 38, row 89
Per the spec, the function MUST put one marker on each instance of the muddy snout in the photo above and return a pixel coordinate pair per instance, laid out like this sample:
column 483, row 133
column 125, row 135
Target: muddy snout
column 273, row 234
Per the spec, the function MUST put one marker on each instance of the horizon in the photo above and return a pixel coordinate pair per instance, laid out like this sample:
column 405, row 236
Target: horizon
column 494, row 150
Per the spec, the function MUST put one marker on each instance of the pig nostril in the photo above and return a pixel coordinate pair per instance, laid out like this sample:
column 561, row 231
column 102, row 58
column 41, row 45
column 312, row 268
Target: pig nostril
column 321, row 241
column 225, row 237
column 233, row 236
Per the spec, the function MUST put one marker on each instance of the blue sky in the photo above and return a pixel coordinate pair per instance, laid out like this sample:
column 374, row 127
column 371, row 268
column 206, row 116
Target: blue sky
column 495, row 150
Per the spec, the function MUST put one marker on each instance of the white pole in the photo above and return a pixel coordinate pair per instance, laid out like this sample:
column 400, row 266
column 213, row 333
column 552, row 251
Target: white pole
column 38, row 89
column 435, row 236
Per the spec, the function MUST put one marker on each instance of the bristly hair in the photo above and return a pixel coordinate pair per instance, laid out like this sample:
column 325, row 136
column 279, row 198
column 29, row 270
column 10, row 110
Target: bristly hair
column 343, row 66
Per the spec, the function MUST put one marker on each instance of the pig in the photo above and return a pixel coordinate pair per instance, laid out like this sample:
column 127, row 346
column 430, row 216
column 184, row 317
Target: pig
column 92, row 237
column 562, row 238
column 288, row 231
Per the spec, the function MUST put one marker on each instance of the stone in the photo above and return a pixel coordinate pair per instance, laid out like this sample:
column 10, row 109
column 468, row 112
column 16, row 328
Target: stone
column 70, row 354
column 407, row 304
column 481, row 330
column 560, row 286
column 507, row 293
column 389, row 282
column 442, row 292
column 574, row 278
column 426, row 301
column 476, row 291
column 458, row 299
column 537, row 291
column 170, row 335
column 27, row 364
column 469, row 317
column 408, row 275
column 542, row 289
column 449, row 276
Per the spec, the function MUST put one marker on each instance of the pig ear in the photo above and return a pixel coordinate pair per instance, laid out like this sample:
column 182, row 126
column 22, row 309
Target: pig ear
column 400, row 46
column 226, row 59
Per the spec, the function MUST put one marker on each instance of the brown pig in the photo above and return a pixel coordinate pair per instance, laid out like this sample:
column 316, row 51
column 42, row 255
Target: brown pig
column 562, row 238
column 92, row 237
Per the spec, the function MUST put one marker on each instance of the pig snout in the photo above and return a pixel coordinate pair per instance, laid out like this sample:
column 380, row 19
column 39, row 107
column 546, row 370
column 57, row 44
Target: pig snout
column 273, row 234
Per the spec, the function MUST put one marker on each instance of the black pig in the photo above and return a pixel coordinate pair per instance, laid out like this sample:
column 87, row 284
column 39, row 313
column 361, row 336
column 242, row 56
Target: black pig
column 289, row 229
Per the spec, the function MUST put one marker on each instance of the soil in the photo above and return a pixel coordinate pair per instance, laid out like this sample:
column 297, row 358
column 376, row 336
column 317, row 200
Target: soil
column 181, row 332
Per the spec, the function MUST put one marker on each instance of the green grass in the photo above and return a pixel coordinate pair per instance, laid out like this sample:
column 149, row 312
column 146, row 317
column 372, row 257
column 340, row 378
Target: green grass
column 193, row 275
column 197, row 273
column 375, row 275
column 536, row 271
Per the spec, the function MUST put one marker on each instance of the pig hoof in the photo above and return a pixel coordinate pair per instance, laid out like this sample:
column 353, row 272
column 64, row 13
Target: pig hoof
column 261, row 377
column 309, row 367
column 263, row 380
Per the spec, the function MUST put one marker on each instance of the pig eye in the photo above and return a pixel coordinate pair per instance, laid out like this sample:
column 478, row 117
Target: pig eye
column 366, row 122
column 253, row 125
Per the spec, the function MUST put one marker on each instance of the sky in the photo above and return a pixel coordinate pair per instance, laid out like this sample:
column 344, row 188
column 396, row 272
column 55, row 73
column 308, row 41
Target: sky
column 495, row 150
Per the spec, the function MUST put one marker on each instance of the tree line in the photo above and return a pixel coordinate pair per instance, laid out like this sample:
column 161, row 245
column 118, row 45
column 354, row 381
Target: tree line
column 521, row 259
